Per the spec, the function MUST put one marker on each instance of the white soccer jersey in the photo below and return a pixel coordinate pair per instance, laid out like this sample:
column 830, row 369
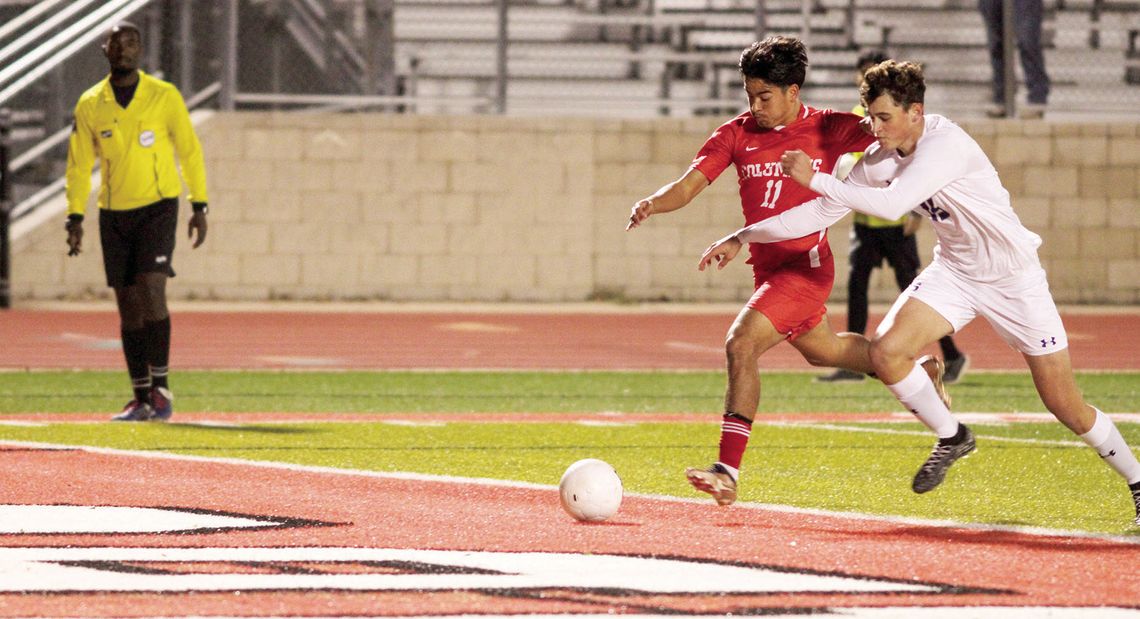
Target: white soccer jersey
column 949, row 178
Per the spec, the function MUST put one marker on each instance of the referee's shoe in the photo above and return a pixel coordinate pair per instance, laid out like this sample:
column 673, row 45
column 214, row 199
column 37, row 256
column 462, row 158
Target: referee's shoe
column 162, row 401
column 135, row 411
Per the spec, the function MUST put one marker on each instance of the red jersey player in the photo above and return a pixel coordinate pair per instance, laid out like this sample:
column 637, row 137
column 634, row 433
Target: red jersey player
column 793, row 278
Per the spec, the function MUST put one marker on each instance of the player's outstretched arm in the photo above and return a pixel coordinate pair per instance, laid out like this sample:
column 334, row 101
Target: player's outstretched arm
column 669, row 198
column 722, row 252
column 798, row 221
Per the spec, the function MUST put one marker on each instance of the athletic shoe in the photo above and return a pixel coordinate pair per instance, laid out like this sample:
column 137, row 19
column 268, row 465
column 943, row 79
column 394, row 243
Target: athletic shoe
column 946, row 451
column 954, row 369
column 714, row 480
column 163, row 403
column 135, row 411
column 995, row 110
column 936, row 371
column 1135, row 488
column 840, row 376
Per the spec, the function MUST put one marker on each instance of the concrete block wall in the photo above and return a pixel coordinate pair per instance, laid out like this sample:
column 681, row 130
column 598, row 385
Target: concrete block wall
column 426, row 208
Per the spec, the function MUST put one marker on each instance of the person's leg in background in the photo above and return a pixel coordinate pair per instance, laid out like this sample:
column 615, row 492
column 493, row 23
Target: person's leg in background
column 991, row 11
column 1027, row 26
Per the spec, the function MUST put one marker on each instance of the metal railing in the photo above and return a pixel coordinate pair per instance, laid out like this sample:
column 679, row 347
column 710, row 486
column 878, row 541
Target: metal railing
column 35, row 64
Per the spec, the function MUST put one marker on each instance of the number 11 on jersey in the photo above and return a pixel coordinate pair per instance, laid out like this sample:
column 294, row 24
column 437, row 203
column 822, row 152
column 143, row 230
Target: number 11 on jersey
column 772, row 193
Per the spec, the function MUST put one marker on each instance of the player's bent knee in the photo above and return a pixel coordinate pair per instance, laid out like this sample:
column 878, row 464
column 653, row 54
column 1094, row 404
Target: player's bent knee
column 884, row 354
column 741, row 344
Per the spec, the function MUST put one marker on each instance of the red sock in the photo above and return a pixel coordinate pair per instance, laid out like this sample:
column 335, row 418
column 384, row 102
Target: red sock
column 734, row 432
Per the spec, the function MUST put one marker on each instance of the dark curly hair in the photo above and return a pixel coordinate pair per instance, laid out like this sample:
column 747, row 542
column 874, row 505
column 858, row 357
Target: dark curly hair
column 903, row 81
column 777, row 60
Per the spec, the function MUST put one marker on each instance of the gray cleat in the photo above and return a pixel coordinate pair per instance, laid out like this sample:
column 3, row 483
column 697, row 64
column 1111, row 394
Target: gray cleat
column 944, row 454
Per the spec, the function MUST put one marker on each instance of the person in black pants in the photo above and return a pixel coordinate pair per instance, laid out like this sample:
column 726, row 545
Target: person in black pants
column 872, row 241
column 1028, row 16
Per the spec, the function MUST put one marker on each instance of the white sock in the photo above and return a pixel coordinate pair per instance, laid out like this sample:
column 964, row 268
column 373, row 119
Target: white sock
column 919, row 396
column 733, row 472
column 1105, row 438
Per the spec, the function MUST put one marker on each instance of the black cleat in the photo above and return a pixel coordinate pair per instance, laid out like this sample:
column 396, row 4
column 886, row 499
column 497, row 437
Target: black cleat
column 1135, row 488
column 946, row 452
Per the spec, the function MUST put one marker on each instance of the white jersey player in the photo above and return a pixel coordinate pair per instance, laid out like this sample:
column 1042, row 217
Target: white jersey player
column 985, row 264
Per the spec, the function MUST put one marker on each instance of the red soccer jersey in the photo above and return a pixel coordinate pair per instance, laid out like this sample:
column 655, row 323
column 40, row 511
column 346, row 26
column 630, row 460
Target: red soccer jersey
column 765, row 191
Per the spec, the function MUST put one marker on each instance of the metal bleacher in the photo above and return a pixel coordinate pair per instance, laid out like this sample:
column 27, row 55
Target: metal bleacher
column 678, row 57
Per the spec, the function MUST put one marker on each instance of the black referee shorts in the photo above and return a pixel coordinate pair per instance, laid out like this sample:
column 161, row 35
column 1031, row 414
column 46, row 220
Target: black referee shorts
column 140, row 240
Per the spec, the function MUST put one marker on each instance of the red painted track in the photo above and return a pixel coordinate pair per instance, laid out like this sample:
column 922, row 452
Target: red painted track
column 975, row 567
column 469, row 340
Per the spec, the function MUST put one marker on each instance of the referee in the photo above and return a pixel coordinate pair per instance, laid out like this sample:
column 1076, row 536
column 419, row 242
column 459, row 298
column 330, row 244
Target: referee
column 134, row 125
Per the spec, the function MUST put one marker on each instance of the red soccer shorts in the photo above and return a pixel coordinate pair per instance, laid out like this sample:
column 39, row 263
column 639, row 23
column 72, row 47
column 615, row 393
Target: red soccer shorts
column 793, row 297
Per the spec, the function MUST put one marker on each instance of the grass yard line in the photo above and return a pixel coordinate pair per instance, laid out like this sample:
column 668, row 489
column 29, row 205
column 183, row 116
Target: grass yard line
column 1006, row 439
column 481, row 481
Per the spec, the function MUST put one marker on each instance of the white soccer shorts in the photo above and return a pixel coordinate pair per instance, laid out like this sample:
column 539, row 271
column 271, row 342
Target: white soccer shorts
column 1020, row 308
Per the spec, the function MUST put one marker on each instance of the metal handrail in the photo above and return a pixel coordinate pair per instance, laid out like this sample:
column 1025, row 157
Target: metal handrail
column 33, row 153
column 93, row 31
column 27, row 17
column 308, row 31
column 45, row 48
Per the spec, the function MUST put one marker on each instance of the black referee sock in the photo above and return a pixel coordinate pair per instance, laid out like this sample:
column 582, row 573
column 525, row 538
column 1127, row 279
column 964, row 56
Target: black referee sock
column 158, row 350
column 134, row 349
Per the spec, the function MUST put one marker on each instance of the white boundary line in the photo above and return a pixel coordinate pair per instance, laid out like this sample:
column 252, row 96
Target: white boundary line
column 1003, row 439
column 482, row 481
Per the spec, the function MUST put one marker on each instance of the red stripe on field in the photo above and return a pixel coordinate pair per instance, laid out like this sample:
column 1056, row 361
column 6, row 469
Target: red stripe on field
column 391, row 513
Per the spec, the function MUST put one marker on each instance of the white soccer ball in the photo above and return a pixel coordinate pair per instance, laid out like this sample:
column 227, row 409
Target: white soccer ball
column 591, row 490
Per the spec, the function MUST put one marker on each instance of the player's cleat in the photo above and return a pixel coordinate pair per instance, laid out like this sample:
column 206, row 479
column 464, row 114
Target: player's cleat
column 946, row 451
column 135, row 411
column 1135, row 488
column 714, row 480
column 840, row 376
column 936, row 371
column 954, row 369
column 162, row 401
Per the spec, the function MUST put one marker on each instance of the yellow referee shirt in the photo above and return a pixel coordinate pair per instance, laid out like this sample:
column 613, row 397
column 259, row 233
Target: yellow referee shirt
column 136, row 148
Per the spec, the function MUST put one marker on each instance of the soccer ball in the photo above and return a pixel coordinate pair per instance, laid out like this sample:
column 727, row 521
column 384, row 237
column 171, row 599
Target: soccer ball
column 591, row 490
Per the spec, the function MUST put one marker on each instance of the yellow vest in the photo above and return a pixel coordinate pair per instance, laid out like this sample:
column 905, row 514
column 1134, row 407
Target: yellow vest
column 136, row 148
column 870, row 220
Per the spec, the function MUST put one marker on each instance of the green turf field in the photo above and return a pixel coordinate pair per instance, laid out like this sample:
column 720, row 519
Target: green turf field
column 1035, row 474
